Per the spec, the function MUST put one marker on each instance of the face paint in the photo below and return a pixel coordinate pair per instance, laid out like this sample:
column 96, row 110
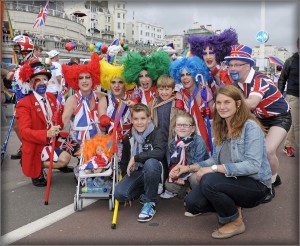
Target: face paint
column 40, row 85
column 235, row 75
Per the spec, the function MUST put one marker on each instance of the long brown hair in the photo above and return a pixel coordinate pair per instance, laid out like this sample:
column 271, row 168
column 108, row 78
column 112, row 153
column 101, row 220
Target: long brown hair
column 242, row 114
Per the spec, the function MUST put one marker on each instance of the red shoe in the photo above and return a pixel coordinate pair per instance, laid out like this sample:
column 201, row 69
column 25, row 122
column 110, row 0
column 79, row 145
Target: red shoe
column 289, row 151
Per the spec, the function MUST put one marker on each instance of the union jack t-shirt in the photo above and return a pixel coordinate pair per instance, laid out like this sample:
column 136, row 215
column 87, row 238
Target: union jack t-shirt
column 272, row 101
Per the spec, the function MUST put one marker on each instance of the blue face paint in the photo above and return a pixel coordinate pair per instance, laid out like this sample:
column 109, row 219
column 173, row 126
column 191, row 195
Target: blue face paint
column 235, row 75
column 41, row 88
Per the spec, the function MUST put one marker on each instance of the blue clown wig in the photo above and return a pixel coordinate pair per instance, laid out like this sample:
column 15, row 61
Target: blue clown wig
column 193, row 64
column 220, row 44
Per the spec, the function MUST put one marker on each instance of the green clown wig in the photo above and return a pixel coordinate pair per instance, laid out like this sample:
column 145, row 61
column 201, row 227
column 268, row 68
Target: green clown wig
column 155, row 64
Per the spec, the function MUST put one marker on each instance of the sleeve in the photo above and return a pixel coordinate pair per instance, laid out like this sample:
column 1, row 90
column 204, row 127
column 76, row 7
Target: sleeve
column 200, row 152
column 58, row 71
column 125, row 155
column 159, row 147
column 252, row 156
column 284, row 76
column 25, row 124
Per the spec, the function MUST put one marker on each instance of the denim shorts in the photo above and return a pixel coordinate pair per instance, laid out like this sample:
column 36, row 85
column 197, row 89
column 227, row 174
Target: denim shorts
column 283, row 120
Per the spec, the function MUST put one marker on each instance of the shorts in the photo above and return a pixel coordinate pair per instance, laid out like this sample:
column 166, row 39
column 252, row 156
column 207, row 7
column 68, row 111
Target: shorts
column 45, row 156
column 283, row 120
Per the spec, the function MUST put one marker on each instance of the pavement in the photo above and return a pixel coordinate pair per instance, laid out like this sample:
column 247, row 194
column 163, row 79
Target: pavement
column 25, row 220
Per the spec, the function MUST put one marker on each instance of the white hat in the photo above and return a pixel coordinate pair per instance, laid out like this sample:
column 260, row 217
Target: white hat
column 52, row 53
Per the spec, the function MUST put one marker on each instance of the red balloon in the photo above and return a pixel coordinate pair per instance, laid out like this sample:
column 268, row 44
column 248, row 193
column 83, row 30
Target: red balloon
column 103, row 49
column 122, row 42
column 69, row 47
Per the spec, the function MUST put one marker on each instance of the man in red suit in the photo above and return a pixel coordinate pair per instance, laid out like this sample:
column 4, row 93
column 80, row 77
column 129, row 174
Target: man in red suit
column 35, row 122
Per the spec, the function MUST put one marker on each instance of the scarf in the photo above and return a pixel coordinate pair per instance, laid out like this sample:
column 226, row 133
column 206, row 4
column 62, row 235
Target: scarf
column 140, row 138
column 179, row 154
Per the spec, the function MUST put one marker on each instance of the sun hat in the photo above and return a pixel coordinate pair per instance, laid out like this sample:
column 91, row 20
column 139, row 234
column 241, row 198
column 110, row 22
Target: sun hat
column 52, row 53
column 240, row 52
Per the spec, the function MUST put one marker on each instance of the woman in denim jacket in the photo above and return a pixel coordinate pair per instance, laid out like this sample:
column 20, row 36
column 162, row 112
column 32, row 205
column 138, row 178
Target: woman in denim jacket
column 238, row 174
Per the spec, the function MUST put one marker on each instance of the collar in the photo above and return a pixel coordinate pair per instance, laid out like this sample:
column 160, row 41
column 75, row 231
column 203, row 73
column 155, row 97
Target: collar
column 250, row 76
column 37, row 96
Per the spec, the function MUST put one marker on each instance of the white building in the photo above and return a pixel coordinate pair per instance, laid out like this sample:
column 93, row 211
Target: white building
column 104, row 19
column 177, row 41
column 143, row 32
column 271, row 50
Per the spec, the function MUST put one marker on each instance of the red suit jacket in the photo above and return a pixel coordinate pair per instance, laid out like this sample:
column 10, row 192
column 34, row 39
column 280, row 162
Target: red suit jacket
column 33, row 132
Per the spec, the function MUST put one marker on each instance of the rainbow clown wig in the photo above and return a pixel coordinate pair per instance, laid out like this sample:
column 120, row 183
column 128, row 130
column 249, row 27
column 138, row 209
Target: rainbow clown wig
column 193, row 64
column 71, row 73
column 89, row 146
column 220, row 44
column 109, row 72
column 155, row 64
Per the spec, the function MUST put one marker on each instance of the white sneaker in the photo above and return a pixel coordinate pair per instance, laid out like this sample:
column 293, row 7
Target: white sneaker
column 167, row 195
column 188, row 214
column 160, row 188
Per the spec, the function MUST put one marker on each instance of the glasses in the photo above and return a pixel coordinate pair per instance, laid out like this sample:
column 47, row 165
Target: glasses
column 182, row 126
column 236, row 65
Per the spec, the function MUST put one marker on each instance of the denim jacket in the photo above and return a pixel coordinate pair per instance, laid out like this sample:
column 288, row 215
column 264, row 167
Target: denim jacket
column 248, row 155
column 195, row 152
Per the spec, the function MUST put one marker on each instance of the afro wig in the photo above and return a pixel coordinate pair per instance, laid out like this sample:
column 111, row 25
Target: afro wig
column 155, row 64
column 109, row 72
column 71, row 73
column 89, row 146
column 194, row 65
column 221, row 44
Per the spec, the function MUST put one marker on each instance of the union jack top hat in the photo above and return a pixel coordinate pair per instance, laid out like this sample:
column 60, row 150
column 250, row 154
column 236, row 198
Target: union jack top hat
column 240, row 52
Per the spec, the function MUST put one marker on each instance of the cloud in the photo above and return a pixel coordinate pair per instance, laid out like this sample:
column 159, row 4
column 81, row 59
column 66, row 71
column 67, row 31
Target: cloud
column 281, row 20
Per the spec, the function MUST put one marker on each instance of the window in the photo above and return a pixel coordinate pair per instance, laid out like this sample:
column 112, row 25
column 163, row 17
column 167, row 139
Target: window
column 124, row 6
column 123, row 25
column 119, row 5
column 118, row 15
column 119, row 25
column 123, row 16
column 108, row 19
column 132, row 32
column 141, row 32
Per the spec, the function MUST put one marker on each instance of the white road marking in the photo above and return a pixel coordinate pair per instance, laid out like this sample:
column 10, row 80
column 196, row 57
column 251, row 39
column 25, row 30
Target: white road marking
column 41, row 223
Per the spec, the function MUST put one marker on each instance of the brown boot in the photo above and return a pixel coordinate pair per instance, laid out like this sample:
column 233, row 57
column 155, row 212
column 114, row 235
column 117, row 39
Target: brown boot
column 231, row 229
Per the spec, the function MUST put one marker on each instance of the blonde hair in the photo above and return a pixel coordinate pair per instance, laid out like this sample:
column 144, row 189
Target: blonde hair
column 108, row 72
column 165, row 81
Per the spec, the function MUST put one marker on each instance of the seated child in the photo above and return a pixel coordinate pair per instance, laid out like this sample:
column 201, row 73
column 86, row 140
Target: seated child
column 142, row 154
column 186, row 148
column 96, row 154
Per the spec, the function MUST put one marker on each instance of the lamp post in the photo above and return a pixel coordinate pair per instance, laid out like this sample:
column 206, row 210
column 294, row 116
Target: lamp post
column 262, row 45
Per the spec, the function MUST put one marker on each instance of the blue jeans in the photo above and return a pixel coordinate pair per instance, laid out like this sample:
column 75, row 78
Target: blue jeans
column 142, row 182
column 221, row 194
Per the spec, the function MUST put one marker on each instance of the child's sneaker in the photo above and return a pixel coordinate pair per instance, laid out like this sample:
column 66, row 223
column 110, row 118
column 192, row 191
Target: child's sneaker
column 167, row 194
column 147, row 213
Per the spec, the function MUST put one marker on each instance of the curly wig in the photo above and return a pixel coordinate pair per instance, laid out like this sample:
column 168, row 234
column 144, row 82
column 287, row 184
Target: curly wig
column 221, row 43
column 108, row 72
column 89, row 146
column 193, row 64
column 155, row 64
column 71, row 73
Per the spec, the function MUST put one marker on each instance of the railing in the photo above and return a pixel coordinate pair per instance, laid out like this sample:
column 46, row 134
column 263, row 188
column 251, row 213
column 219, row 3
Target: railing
column 36, row 9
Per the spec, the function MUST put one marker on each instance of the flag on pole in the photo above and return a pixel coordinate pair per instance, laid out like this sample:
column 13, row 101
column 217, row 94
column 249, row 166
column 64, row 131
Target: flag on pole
column 41, row 18
column 276, row 60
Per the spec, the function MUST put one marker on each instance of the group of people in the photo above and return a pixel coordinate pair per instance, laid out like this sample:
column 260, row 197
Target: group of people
column 165, row 144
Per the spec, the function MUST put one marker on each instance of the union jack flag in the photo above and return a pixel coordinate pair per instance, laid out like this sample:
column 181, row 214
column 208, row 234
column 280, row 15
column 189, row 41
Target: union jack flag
column 41, row 18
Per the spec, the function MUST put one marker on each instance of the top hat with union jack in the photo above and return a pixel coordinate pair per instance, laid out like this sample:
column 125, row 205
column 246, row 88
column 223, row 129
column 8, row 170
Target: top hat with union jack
column 240, row 52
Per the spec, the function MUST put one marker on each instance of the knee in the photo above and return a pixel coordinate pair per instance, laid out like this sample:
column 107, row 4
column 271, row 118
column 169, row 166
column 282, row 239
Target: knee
column 119, row 194
column 152, row 166
column 64, row 157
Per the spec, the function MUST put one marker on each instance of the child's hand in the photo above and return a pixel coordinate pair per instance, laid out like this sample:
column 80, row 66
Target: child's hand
column 131, row 166
column 130, row 103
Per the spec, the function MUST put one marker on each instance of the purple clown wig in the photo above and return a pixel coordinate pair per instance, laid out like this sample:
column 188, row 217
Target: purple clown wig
column 193, row 64
column 220, row 44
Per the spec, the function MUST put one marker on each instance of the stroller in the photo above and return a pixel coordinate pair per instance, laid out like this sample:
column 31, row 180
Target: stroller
column 106, row 190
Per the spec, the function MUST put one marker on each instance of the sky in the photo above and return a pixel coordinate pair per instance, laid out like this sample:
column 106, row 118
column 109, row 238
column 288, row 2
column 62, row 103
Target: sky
column 281, row 18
